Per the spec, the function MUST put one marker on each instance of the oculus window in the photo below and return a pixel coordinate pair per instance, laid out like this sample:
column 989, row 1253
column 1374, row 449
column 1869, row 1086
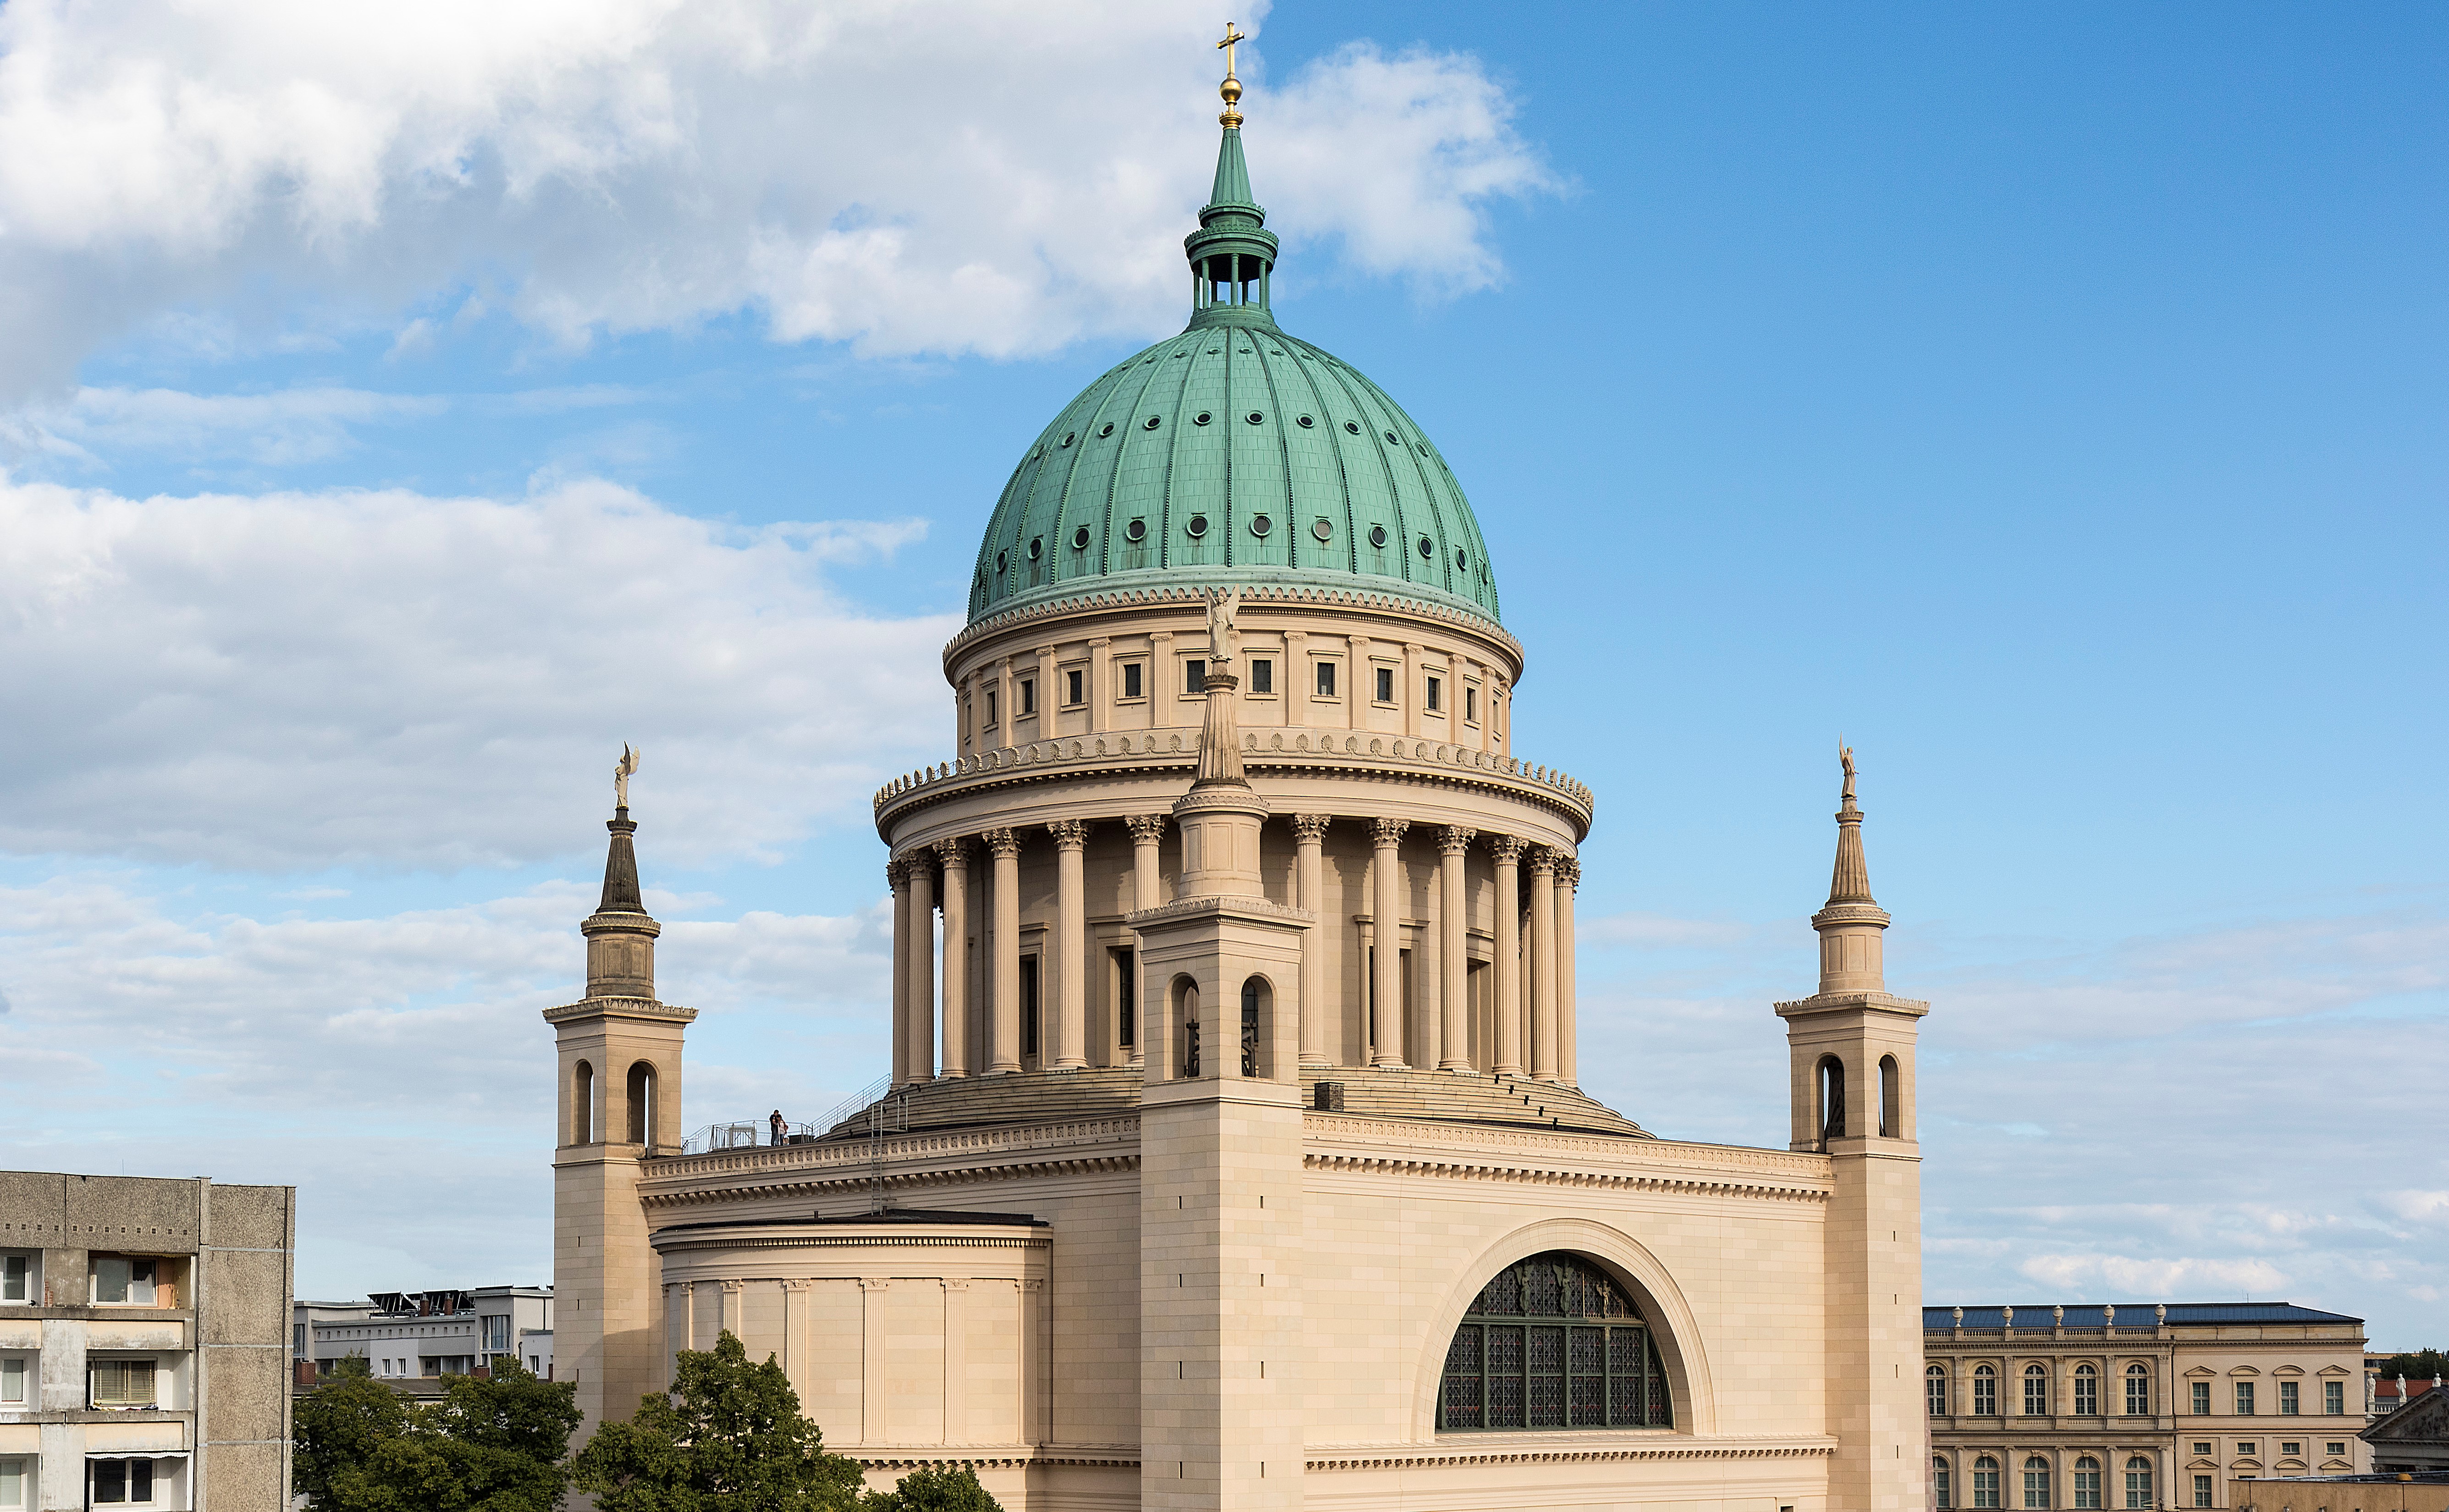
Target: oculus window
column 1554, row 1342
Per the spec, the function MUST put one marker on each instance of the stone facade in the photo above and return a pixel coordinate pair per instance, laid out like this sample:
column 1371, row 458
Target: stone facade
column 145, row 1342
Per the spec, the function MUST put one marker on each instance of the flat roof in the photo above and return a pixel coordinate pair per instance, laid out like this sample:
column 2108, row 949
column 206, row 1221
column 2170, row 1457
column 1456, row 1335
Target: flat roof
column 2132, row 1315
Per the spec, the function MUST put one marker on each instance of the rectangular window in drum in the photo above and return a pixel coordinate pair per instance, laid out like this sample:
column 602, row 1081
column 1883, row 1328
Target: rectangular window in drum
column 1386, row 685
column 1028, row 1005
column 1132, row 680
column 1437, row 694
column 1263, row 674
column 1072, row 689
column 1125, row 1000
column 1326, row 679
column 1195, row 675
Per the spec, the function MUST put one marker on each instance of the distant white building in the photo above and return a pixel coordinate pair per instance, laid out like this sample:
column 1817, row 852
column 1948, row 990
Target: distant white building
column 410, row 1335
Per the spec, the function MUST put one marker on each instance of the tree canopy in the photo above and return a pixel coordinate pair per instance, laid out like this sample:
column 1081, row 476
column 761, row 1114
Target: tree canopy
column 2421, row 1366
column 493, row 1444
column 934, row 1491
column 728, row 1437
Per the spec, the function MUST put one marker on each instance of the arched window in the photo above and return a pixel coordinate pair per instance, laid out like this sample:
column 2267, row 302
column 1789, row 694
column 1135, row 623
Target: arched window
column 2138, row 1482
column 582, row 1104
column 1186, row 1013
column 2138, row 1392
column 1940, row 1491
column 642, row 1098
column 1554, row 1342
column 2036, row 1481
column 1985, row 1482
column 2087, row 1394
column 1985, row 1394
column 2087, row 1482
column 1831, row 1085
column 1935, row 1388
column 1890, row 1128
column 1254, row 997
column 2036, row 1391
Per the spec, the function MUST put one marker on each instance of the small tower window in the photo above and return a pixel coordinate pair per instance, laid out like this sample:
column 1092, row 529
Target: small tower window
column 1386, row 685
column 1195, row 675
column 1326, row 680
column 1028, row 696
column 1435, row 694
column 1071, row 689
column 1890, row 1128
column 1132, row 680
column 1263, row 674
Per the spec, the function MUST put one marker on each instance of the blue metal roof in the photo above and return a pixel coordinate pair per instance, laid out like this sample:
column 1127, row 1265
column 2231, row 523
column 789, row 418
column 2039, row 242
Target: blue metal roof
column 2134, row 1316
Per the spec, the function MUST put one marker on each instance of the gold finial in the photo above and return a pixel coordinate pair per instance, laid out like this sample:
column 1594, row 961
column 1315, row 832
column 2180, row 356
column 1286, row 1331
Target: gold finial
column 1231, row 88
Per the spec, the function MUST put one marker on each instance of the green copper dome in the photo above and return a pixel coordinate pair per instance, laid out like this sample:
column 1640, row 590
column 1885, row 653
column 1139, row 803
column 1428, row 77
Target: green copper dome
column 1232, row 453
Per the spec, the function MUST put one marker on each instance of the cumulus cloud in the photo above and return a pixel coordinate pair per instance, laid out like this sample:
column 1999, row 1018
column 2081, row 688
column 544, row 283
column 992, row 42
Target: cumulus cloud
column 2076, row 1277
column 970, row 176
column 299, row 681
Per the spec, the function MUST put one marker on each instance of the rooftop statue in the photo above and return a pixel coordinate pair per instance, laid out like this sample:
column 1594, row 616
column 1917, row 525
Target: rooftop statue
column 622, row 772
column 1223, row 629
column 1846, row 759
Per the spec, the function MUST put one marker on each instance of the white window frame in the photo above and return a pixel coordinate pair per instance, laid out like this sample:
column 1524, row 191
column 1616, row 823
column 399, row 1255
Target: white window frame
column 1327, row 669
column 1390, row 676
column 27, row 1281
column 95, row 1364
column 19, row 1372
column 20, row 1496
column 1125, row 673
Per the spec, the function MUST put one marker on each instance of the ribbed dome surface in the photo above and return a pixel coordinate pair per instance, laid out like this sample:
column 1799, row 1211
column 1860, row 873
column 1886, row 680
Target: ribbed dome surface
column 1232, row 453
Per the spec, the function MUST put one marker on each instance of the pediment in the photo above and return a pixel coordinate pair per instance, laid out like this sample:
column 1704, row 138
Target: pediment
column 2288, row 1369
column 2244, row 1370
column 2201, row 1370
column 2427, row 1417
column 2336, row 1370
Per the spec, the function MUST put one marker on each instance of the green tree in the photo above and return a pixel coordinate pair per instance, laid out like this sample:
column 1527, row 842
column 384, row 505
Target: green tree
column 2421, row 1366
column 340, row 1426
column 728, row 1437
column 934, row 1491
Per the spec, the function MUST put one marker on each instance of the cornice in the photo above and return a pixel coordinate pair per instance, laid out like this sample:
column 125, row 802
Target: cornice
column 1473, row 619
column 905, row 1236
column 1193, row 907
column 620, row 1008
column 1558, row 1449
column 1459, row 1153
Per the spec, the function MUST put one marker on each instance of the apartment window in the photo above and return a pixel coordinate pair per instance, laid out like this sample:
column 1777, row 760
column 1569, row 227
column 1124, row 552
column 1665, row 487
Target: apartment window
column 2202, row 1490
column 1326, row 680
column 1263, row 674
column 1935, row 1388
column 2334, row 1398
column 2288, row 1406
column 2201, row 1398
column 123, row 1480
column 497, row 1334
column 1985, row 1393
column 2036, row 1391
column 2335, row 1446
column 12, row 1483
column 1126, row 997
column 2138, row 1392
column 2087, row 1395
column 1132, row 680
column 123, row 1278
column 2087, row 1482
column 1939, row 1487
column 16, row 1278
column 1386, row 685
column 2244, row 1398
column 1985, row 1482
column 2291, row 1448
column 121, row 1383
column 2138, row 1482
column 1437, row 694
column 1028, row 696
column 1195, row 675
column 2036, row 1482
column 1073, row 688
column 13, row 1381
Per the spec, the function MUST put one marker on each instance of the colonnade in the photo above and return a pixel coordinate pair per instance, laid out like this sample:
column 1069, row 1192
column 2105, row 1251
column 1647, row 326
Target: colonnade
column 1531, row 1020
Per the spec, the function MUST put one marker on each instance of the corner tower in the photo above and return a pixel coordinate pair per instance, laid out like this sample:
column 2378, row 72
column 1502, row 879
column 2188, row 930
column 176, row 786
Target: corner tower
column 1851, row 1050
column 619, row 1101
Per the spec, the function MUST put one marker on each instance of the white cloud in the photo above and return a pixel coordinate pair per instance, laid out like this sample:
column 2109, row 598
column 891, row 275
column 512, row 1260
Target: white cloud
column 389, row 679
column 278, row 429
column 957, row 176
column 2077, row 1275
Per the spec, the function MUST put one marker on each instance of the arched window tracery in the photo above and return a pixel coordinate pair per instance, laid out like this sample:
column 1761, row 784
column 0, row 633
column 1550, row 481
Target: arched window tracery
column 1985, row 1482
column 1554, row 1342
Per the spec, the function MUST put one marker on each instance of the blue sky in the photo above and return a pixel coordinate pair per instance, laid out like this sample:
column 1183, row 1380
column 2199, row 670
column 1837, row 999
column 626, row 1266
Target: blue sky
column 2049, row 401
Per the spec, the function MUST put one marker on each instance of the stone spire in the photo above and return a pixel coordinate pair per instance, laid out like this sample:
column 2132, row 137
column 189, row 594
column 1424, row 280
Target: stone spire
column 1852, row 923
column 621, row 934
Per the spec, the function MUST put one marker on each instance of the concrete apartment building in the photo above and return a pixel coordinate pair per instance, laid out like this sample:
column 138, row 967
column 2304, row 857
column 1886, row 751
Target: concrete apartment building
column 143, row 1357
column 425, row 1335
column 2136, row 1406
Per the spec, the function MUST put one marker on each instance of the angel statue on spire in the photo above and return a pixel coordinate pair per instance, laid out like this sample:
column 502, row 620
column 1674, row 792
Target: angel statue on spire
column 622, row 772
column 1224, row 628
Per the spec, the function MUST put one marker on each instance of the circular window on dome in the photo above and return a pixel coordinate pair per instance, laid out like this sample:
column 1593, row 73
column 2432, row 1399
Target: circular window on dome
column 1214, row 350
column 1392, row 439
column 1428, row 549
column 1354, row 426
column 1037, row 547
column 1377, row 535
column 1135, row 531
column 1197, row 525
column 1151, row 422
column 1202, row 417
column 1080, row 540
column 1244, row 351
column 1324, row 529
column 1067, row 437
column 1107, row 429
column 1254, row 417
column 1462, row 559
column 1305, row 422
column 1260, row 525
column 1002, row 561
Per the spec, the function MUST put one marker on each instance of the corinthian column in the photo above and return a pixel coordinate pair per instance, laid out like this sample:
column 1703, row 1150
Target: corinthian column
column 1070, row 945
column 1454, row 844
column 897, row 875
column 1147, row 832
column 1508, row 852
column 1543, row 963
column 955, row 857
column 1386, row 952
column 919, row 1016
column 1309, row 870
column 1568, row 881
column 1003, row 1040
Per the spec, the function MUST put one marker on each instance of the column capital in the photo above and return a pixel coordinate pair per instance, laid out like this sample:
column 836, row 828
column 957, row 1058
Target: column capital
column 1045, row 651
column 1069, row 834
column 1453, row 839
column 1415, row 647
column 1388, row 832
column 1507, row 847
column 796, row 1284
column 1004, row 661
column 1160, row 635
column 1101, row 640
column 875, row 1283
column 954, row 853
column 1543, row 860
column 956, row 1282
column 1003, row 843
column 731, row 1285
column 1569, row 871
column 1310, row 828
column 1146, row 830
column 897, row 874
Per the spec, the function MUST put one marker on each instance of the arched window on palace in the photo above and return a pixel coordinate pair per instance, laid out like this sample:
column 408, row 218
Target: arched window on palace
column 1985, row 1391
column 1935, row 1386
column 1554, row 1342
column 2036, row 1481
column 2087, row 1392
column 2138, row 1392
column 2138, row 1482
column 1985, row 1482
column 2087, row 1482
column 2036, row 1391
column 1939, row 1490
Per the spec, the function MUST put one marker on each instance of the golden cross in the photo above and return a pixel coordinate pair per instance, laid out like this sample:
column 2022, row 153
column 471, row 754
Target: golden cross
column 1231, row 36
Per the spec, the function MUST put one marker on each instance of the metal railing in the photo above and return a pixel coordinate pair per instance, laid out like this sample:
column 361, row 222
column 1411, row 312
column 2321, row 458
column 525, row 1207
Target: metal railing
column 753, row 1134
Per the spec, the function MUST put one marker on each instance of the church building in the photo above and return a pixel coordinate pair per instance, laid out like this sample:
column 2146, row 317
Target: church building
column 1235, row 1155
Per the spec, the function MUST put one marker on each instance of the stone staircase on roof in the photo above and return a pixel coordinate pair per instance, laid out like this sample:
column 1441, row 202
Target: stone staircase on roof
column 1432, row 1097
